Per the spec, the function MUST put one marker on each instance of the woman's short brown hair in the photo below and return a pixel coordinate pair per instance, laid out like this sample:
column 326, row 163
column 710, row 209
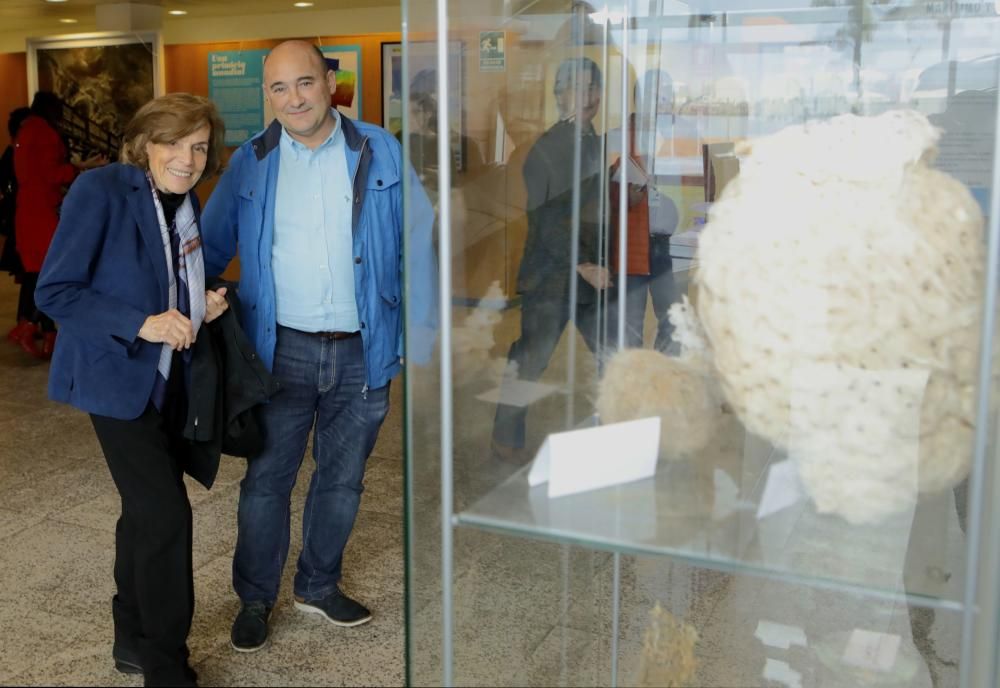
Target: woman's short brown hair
column 169, row 118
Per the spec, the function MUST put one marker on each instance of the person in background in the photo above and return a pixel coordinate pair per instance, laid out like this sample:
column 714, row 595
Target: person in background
column 9, row 260
column 314, row 206
column 545, row 275
column 43, row 171
column 423, row 111
column 651, row 217
column 466, row 163
column 125, row 279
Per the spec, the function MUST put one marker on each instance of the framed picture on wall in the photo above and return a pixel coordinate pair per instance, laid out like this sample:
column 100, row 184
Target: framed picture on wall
column 392, row 87
column 422, row 76
column 347, row 99
column 102, row 80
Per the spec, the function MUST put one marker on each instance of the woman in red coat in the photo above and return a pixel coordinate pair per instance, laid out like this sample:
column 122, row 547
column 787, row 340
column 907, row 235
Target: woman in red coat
column 43, row 171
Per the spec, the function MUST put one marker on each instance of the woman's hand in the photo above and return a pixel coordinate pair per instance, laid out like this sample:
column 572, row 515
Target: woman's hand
column 215, row 304
column 170, row 328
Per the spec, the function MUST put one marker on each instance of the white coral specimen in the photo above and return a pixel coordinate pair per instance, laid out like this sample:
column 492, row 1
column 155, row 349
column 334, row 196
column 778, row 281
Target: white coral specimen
column 840, row 289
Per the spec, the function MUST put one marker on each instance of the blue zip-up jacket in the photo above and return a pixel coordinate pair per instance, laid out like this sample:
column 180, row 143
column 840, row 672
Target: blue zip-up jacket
column 240, row 215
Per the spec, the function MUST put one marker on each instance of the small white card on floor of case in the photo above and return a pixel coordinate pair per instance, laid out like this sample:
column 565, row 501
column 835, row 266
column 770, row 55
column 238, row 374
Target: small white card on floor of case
column 872, row 650
column 780, row 635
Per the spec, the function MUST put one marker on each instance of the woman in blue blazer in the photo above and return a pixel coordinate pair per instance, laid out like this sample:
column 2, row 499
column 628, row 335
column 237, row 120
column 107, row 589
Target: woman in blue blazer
column 124, row 277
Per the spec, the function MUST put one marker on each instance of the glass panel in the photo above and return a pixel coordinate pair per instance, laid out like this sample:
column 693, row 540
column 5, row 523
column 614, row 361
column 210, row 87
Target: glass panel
column 785, row 270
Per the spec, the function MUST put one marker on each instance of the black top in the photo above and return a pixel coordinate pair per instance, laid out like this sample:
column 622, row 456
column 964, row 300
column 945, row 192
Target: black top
column 170, row 202
column 548, row 178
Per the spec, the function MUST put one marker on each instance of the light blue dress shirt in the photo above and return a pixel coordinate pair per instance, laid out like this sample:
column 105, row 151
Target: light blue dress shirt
column 312, row 251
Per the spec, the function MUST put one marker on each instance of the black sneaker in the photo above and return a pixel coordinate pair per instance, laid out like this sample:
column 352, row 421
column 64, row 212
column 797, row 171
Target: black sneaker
column 337, row 608
column 250, row 627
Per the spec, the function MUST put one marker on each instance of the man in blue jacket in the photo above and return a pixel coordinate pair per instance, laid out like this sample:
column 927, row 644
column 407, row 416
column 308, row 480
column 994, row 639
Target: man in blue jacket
column 314, row 206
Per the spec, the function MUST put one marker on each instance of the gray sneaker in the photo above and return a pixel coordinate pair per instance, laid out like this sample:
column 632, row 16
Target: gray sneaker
column 337, row 608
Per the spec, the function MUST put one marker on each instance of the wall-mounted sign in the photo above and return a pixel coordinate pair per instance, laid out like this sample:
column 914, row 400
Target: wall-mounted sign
column 492, row 51
column 234, row 85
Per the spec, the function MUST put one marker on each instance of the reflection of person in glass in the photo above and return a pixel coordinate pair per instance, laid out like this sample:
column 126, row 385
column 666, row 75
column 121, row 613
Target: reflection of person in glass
column 545, row 272
column 465, row 156
column 652, row 217
column 423, row 147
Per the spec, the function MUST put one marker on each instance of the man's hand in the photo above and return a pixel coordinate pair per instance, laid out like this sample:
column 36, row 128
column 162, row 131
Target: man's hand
column 170, row 328
column 215, row 304
column 597, row 276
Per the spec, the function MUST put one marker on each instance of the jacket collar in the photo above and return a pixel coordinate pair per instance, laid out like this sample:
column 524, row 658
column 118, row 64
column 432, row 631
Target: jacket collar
column 269, row 139
column 351, row 134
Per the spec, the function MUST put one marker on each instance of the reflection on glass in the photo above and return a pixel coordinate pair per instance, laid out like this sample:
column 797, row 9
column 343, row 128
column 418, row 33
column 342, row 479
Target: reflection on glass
column 803, row 188
column 652, row 216
column 567, row 154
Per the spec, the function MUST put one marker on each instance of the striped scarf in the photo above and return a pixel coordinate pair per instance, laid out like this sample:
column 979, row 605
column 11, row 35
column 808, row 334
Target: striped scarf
column 186, row 278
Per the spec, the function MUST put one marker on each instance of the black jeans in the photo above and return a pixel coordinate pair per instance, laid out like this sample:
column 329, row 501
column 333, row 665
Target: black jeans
column 543, row 319
column 153, row 566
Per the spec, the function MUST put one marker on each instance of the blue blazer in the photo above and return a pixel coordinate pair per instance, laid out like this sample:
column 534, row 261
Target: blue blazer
column 104, row 274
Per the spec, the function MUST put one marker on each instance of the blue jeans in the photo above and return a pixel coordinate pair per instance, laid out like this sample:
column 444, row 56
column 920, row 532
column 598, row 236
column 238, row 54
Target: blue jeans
column 323, row 384
column 659, row 284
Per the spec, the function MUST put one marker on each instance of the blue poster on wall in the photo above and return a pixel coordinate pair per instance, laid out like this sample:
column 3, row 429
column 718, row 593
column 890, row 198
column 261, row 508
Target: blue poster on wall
column 234, row 85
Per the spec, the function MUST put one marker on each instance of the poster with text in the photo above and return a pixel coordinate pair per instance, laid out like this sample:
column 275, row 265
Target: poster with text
column 234, row 85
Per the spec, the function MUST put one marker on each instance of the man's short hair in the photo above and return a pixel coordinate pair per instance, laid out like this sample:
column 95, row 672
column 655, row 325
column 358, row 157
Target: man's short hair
column 570, row 68
column 316, row 49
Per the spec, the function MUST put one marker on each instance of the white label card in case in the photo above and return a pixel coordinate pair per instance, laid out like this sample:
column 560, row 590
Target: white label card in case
column 782, row 489
column 591, row 458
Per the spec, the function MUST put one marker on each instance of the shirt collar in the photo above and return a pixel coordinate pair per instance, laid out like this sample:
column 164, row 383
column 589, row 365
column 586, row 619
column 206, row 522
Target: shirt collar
column 586, row 128
column 297, row 148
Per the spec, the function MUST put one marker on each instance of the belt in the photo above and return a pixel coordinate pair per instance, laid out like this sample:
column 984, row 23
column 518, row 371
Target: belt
column 334, row 335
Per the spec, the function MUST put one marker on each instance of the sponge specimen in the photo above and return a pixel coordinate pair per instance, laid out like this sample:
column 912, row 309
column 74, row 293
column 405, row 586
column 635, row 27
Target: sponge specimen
column 839, row 288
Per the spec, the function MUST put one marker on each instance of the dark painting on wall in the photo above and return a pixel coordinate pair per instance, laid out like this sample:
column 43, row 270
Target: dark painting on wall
column 101, row 83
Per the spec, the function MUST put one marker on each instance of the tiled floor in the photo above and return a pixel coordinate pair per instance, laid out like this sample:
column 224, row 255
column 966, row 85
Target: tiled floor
column 526, row 612
column 57, row 519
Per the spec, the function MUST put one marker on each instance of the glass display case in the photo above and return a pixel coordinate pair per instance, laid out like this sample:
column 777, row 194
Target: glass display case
column 713, row 390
